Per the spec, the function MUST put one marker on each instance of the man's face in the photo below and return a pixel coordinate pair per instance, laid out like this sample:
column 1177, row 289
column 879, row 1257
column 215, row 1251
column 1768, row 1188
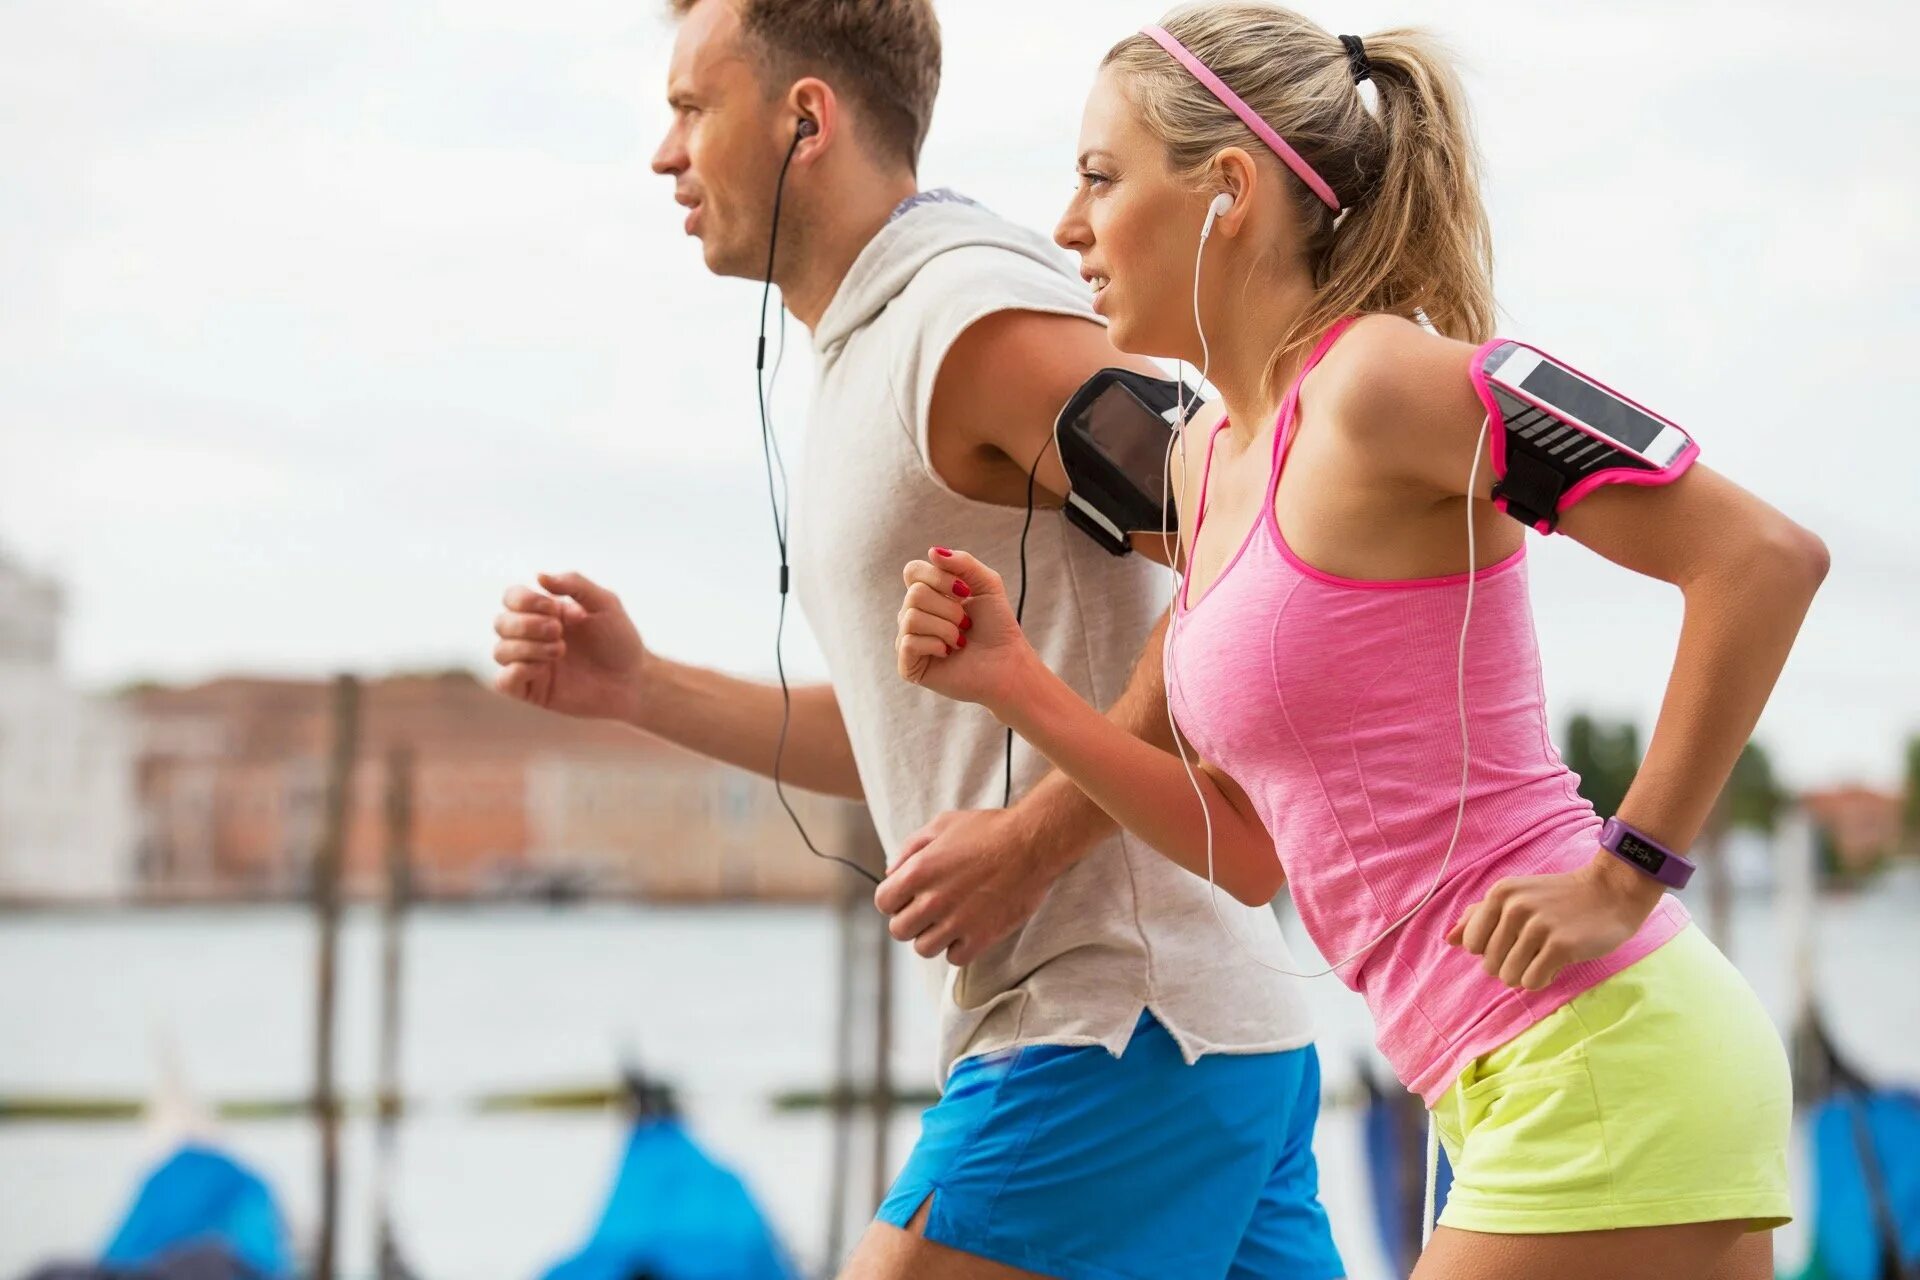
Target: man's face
column 722, row 149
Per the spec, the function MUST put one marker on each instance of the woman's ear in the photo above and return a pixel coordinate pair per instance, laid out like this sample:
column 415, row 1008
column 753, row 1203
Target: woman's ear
column 1236, row 176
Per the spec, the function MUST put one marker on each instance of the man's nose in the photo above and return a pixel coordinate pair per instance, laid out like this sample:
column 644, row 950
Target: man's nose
column 671, row 159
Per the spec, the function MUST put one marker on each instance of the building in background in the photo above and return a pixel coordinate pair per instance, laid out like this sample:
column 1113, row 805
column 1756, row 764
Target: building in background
column 67, row 818
column 507, row 799
column 1863, row 825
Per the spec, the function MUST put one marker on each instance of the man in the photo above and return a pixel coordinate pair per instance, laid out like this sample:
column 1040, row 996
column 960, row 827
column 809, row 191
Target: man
column 1127, row 1092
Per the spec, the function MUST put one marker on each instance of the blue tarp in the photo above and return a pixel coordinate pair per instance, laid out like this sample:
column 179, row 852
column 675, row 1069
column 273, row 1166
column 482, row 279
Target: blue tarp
column 1394, row 1133
column 676, row 1215
column 198, row 1197
column 1866, row 1168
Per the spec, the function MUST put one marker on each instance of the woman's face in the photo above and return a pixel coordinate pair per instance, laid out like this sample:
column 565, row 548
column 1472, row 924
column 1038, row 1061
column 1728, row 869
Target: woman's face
column 1135, row 226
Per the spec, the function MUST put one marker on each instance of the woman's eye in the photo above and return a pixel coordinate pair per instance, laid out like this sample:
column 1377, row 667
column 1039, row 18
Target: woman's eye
column 1089, row 178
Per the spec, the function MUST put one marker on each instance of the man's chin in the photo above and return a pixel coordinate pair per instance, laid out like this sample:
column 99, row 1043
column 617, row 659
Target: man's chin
column 726, row 260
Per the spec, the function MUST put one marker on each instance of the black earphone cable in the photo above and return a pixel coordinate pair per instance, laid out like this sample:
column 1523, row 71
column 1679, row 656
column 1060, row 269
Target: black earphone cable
column 1020, row 606
column 780, row 501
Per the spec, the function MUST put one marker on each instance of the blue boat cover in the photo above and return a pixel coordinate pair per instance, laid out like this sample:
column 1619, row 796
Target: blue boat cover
column 676, row 1215
column 1866, row 1169
column 198, row 1199
column 1394, row 1133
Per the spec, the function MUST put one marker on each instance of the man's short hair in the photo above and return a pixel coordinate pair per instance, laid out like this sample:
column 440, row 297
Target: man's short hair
column 883, row 54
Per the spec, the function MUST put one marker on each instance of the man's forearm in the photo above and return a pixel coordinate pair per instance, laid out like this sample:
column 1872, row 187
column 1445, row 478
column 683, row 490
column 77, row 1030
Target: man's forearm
column 738, row 722
column 1064, row 822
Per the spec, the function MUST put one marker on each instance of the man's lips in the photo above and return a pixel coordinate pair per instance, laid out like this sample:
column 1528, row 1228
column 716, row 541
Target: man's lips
column 692, row 206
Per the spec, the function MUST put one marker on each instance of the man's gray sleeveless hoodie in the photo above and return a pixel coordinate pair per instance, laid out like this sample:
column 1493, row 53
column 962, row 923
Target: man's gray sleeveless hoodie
column 1124, row 929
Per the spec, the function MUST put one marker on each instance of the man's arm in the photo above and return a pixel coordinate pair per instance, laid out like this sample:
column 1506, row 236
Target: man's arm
column 738, row 721
column 1000, row 388
column 572, row 648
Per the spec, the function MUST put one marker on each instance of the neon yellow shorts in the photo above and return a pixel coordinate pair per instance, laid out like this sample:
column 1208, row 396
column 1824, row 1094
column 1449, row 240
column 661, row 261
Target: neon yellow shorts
column 1660, row 1096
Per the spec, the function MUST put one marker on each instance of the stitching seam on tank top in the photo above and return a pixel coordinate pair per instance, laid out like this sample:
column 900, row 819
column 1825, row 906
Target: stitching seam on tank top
column 1280, row 700
column 1353, row 745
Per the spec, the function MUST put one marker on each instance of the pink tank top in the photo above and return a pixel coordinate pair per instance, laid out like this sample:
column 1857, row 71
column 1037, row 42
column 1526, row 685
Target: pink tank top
column 1332, row 703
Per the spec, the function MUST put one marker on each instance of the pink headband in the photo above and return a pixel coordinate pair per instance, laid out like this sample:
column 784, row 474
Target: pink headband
column 1262, row 130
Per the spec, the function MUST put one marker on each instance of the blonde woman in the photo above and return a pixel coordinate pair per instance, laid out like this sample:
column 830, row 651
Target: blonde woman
column 1614, row 1100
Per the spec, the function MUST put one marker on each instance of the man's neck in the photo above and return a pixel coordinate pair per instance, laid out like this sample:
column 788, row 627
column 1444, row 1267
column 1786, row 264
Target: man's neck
column 833, row 241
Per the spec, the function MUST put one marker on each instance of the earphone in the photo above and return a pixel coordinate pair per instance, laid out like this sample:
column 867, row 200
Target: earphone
column 1183, row 566
column 1222, row 203
column 770, row 449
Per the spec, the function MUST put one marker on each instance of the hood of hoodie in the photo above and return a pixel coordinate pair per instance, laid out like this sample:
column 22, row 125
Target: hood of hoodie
column 895, row 255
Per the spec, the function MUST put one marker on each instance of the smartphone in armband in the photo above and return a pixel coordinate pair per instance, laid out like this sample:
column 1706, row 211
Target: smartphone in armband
column 1113, row 437
column 1562, row 435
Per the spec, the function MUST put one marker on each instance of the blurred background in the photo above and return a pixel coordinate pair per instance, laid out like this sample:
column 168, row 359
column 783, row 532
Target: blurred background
column 322, row 324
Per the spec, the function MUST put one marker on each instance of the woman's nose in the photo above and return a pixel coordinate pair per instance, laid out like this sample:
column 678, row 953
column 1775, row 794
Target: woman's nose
column 1070, row 231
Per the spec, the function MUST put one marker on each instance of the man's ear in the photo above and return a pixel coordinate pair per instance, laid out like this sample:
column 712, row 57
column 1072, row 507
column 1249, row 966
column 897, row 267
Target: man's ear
column 812, row 101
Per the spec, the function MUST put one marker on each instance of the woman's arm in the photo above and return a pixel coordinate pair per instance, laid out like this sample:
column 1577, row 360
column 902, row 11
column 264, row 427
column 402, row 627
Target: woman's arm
column 1747, row 575
column 958, row 637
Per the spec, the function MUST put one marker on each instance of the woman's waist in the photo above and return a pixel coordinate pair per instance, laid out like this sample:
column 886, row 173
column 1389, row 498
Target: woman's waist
column 1349, row 890
column 1436, row 1009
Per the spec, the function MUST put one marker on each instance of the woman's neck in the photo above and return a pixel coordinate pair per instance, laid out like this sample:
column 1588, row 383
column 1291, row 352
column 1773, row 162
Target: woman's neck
column 1259, row 319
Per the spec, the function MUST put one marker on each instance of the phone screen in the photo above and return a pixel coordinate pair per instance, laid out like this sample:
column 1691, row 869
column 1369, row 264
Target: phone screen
column 1593, row 406
column 1132, row 435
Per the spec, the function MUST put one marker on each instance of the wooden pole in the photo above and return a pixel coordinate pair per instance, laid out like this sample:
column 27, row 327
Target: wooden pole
column 882, row 1170
column 1719, row 876
column 1796, row 901
column 326, row 905
column 846, row 907
column 399, row 814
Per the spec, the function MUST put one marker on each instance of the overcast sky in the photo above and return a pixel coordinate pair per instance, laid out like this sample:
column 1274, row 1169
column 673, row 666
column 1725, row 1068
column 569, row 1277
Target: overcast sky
column 321, row 323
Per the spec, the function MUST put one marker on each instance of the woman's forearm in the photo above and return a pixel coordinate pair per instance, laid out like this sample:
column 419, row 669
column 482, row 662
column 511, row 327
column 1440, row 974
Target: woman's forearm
column 1145, row 789
column 1742, row 615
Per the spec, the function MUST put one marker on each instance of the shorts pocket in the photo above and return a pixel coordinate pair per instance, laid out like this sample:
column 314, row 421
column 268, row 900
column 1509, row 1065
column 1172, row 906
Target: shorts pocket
column 1531, row 1134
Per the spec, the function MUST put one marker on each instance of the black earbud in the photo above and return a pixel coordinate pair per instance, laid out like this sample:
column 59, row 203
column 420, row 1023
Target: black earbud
column 806, row 129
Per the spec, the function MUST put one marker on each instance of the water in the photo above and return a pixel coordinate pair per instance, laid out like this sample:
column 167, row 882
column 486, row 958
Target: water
column 732, row 1004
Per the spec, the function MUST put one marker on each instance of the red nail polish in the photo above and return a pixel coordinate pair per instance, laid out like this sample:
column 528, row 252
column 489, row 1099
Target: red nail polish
column 941, row 551
column 966, row 622
column 960, row 589
column 949, row 651
column 961, row 643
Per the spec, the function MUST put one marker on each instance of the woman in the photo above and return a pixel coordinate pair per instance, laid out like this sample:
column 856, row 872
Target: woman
column 1612, row 1096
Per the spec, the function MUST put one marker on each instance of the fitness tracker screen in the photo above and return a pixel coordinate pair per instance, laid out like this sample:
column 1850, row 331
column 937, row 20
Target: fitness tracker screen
column 1641, row 854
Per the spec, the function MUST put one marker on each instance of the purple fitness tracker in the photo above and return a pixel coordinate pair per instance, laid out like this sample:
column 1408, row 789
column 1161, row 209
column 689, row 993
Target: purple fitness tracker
column 1645, row 853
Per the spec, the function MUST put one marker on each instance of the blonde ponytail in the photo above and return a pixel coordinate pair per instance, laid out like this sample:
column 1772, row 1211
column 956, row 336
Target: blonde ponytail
column 1413, row 240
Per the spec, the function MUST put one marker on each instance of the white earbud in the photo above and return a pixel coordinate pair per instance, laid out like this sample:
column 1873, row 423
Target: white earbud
column 1221, row 204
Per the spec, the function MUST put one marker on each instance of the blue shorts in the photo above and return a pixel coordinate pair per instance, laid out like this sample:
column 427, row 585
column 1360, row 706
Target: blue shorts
column 1072, row 1163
